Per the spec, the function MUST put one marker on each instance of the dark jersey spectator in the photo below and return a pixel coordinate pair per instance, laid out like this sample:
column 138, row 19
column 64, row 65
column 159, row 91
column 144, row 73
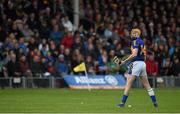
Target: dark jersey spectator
column 13, row 67
column 175, row 67
column 36, row 66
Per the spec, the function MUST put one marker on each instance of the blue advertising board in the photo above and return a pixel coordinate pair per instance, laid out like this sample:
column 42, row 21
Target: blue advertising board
column 95, row 81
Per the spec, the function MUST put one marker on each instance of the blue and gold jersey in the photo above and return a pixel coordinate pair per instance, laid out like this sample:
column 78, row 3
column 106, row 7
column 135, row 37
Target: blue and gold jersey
column 139, row 44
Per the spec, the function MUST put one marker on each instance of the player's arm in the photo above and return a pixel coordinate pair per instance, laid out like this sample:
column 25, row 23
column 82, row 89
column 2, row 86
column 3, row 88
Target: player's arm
column 134, row 53
column 118, row 60
column 126, row 58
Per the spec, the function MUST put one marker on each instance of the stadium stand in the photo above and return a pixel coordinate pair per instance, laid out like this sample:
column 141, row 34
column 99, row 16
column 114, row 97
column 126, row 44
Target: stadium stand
column 38, row 36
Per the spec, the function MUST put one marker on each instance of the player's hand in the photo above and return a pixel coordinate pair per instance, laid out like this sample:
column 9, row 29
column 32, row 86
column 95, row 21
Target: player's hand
column 122, row 63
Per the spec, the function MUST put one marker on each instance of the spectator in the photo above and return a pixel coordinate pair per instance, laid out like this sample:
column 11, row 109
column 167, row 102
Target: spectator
column 67, row 41
column 32, row 22
column 171, row 47
column 77, row 42
column 50, row 57
column 61, row 65
column 103, row 59
column 13, row 68
column 67, row 23
column 32, row 44
column 151, row 66
column 2, row 72
column 44, row 30
column 44, row 47
column 76, row 59
column 25, row 71
column 175, row 67
column 24, row 67
column 22, row 45
column 55, row 34
column 37, row 28
column 51, row 69
column 112, row 67
column 67, row 55
column 167, row 66
column 90, row 48
column 36, row 66
column 108, row 33
column 90, row 64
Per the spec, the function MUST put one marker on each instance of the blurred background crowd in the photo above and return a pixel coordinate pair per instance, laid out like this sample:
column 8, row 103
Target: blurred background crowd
column 38, row 36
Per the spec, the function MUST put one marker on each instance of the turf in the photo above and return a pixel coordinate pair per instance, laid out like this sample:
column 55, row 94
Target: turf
column 96, row 101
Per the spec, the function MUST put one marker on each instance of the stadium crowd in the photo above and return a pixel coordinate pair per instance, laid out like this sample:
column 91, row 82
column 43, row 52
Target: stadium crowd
column 38, row 36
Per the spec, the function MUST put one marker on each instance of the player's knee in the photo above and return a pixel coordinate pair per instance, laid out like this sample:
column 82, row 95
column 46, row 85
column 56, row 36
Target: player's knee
column 129, row 83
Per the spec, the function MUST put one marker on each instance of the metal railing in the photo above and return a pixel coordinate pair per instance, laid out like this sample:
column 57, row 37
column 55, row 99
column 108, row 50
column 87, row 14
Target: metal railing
column 32, row 82
column 58, row 82
column 160, row 82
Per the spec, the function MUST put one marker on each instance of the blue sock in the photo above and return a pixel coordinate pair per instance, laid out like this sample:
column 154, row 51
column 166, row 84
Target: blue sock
column 153, row 98
column 152, row 95
column 124, row 98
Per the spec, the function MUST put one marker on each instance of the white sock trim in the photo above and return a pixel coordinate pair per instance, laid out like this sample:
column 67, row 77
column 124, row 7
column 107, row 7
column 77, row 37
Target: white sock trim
column 151, row 92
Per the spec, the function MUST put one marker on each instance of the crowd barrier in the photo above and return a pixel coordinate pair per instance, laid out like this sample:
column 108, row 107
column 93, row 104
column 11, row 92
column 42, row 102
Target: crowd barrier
column 83, row 82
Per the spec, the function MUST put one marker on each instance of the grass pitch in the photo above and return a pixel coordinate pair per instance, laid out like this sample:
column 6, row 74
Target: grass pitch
column 96, row 101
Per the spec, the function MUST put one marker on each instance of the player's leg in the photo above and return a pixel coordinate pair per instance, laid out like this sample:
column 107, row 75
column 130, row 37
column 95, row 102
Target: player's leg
column 134, row 71
column 151, row 93
column 129, row 83
column 147, row 86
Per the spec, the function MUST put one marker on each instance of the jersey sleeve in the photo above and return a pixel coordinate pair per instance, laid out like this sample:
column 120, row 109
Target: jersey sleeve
column 135, row 44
